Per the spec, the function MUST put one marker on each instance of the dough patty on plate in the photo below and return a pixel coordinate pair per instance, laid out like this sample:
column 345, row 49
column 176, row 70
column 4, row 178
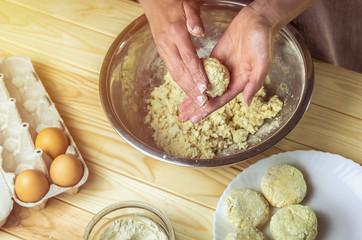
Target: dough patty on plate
column 294, row 222
column 248, row 233
column 246, row 208
column 283, row 185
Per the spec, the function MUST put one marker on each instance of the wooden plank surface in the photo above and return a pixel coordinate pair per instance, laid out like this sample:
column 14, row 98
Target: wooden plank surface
column 56, row 221
column 67, row 41
column 107, row 16
column 338, row 90
column 7, row 236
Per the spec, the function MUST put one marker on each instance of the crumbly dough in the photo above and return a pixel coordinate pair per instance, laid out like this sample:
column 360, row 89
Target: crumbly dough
column 283, row 185
column 248, row 233
column 218, row 76
column 246, row 208
column 294, row 222
column 228, row 125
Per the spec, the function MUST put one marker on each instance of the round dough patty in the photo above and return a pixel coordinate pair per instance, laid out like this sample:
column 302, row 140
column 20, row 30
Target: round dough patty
column 246, row 208
column 283, row 185
column 218, row 76
column 248, row 233
column 294, row 222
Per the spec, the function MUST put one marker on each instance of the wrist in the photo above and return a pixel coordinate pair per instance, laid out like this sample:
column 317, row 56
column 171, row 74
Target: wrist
column 280, row 12
column 253, row 15
column 263, row 11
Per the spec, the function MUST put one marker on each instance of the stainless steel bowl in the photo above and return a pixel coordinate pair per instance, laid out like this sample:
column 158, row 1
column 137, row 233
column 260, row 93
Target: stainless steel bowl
column 132, row 68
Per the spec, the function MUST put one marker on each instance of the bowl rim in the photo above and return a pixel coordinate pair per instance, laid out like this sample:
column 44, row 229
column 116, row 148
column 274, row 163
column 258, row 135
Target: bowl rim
column 128, row 204
column 289, row 31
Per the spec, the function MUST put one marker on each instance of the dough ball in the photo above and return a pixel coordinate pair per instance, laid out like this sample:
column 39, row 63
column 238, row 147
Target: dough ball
column 246, row 208
column 218, row 76
column 283, row 185
column 248, row 233
column 294, row 222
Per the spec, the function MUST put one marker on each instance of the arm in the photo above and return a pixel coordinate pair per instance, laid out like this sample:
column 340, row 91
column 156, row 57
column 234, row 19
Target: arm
column 171, row 22
column 246, row 49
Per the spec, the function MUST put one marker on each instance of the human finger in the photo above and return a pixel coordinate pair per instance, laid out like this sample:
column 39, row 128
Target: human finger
column 192, row 62
column 184, row 105
column 194, row 22
column 187, row 113
column 180, row 74
column 196, row 114
column 257, row 80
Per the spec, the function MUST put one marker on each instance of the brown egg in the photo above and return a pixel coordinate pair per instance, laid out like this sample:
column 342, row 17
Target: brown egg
column 31, row 185
column 66, row 170
column 53, row 141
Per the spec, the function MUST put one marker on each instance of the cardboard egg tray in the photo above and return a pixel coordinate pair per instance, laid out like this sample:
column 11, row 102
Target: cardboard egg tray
column 26, row 109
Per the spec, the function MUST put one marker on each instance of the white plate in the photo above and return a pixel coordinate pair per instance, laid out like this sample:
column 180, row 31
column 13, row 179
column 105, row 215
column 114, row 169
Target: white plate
column 334, row 192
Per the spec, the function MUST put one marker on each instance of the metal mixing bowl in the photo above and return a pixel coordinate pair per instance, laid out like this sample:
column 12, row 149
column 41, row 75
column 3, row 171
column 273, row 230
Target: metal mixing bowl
column 132, row 68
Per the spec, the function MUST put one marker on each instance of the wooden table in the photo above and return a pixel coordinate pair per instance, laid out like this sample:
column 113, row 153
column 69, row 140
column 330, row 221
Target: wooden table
column 67, row 41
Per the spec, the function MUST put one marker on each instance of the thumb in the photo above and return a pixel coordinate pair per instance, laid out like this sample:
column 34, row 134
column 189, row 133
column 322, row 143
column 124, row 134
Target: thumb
column 193, row 19
column 256, row 81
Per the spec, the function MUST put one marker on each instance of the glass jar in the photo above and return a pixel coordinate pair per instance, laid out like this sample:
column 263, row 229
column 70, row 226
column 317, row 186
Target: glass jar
column 135, row 219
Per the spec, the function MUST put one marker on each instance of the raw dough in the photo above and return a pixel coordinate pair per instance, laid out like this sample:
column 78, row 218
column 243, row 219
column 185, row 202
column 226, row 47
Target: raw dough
column 294, row 222
column 228, row 125
column 218, row 76
column 283, row 185
column 248, row 233
column 246, row 208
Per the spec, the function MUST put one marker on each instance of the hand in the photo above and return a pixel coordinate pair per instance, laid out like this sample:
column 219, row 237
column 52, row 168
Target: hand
column 171, row 23
column 246, row 49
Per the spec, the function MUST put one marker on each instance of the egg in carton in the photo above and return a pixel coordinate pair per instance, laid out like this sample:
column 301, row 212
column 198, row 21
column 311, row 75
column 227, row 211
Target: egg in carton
column 25, row 110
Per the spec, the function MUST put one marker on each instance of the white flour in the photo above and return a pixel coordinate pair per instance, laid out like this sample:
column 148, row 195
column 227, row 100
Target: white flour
column 134, row 228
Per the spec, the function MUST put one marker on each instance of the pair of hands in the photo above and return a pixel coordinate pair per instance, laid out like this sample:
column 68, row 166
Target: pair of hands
column 245, row 49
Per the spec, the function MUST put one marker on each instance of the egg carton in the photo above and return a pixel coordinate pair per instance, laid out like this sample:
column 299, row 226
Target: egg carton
column 26, row 109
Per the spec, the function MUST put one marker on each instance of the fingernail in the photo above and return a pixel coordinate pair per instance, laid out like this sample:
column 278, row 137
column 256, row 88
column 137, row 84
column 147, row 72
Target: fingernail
column 182, row 118
column 194, row 119
column 202, row 87
column 196, row 30
column 200, row 100
column 247, row 103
